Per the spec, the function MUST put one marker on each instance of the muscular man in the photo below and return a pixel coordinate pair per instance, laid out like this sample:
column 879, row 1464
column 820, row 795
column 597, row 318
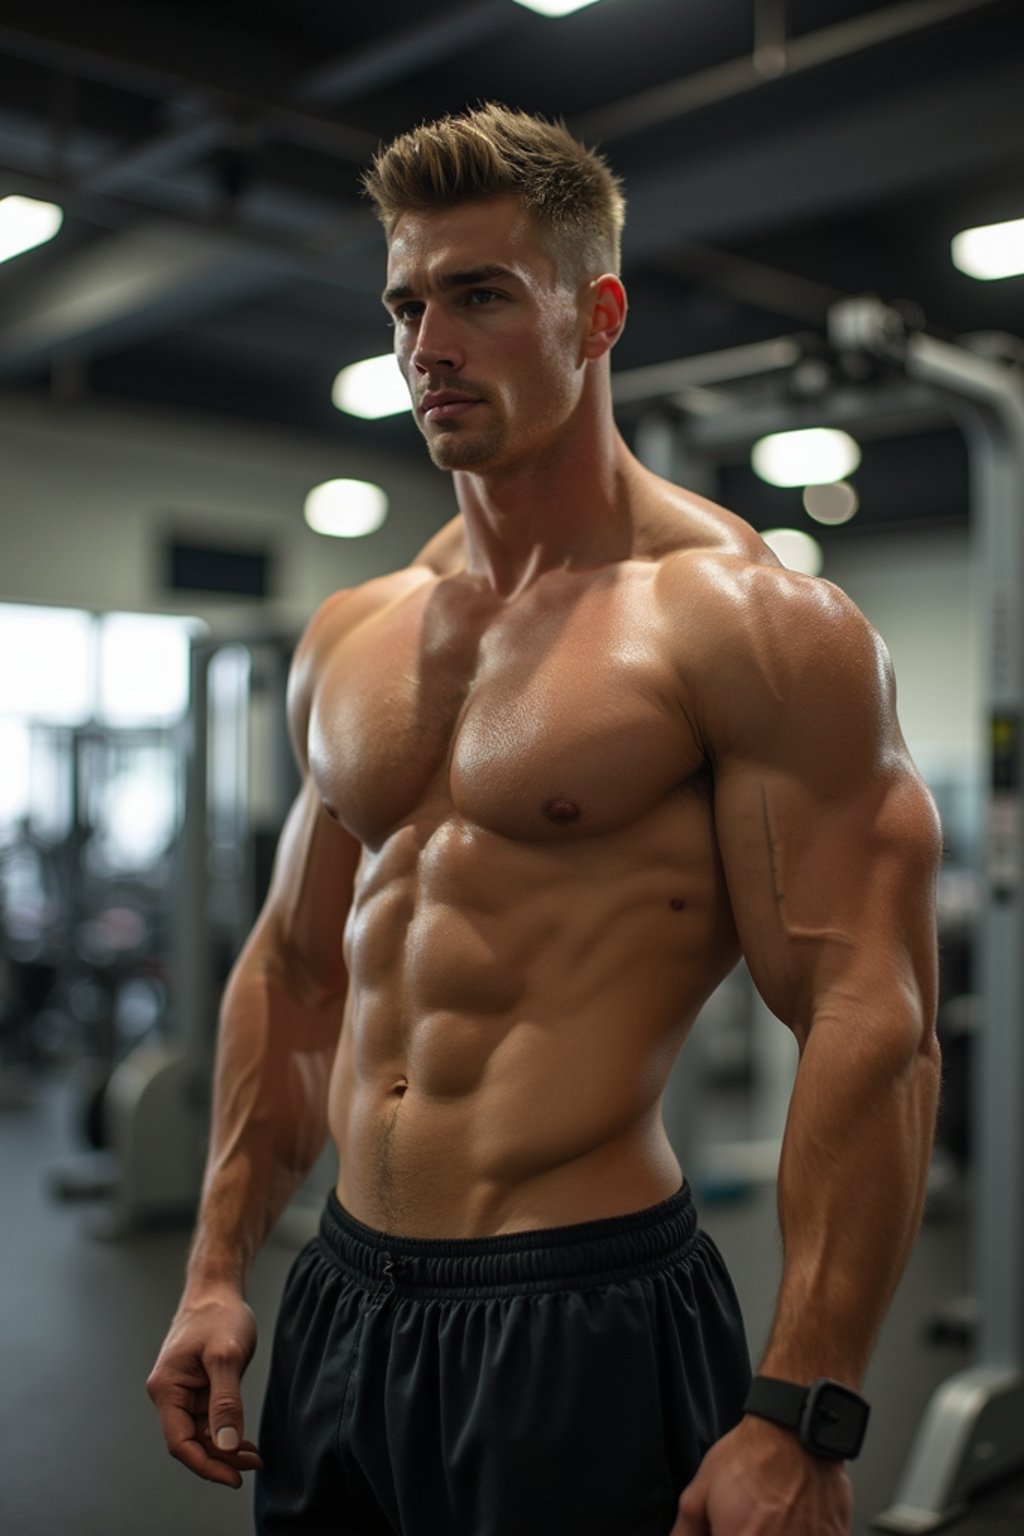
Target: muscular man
column 560, row 773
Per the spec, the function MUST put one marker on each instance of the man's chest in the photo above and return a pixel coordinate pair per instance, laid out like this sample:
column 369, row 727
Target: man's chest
column 540, row 721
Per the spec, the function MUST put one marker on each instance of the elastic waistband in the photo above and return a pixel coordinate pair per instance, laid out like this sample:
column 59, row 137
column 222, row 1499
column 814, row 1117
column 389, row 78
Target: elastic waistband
column 543, row 1259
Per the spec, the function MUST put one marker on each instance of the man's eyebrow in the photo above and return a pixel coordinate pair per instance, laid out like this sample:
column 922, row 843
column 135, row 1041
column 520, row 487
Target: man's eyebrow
column 449, row 280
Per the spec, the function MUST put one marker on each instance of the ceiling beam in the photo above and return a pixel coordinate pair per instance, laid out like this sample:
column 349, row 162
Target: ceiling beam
column 145, row 281
column 767, row 65
column 939, row 130
column 383, row 63
column 143, row 76
column 315, row 254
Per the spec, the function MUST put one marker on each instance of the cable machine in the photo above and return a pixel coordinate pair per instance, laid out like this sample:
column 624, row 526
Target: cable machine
column 972, row 1432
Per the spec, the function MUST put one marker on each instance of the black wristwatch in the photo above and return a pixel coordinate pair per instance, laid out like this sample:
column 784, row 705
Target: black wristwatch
column 827, row 1418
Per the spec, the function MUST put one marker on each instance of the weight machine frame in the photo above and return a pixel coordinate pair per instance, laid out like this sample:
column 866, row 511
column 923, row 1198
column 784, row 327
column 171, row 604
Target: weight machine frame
column 157, row 1103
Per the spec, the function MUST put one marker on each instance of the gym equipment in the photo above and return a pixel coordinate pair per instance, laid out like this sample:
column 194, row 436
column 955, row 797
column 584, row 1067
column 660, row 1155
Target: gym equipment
column 82, row 899
column 876, row 367
column 239, row 781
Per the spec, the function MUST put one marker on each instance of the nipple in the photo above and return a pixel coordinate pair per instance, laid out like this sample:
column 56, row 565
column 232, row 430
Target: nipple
column 677, row 904
column 561, row 810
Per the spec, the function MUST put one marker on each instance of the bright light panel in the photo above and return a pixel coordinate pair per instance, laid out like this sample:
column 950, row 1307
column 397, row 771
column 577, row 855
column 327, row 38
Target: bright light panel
column 46, row 663
column 555, row 7
column 144, row 667
column 796, row 550
column 371, row 389
column 814, row 456
column 991, row 251
column 346, row 509
column 26, row 222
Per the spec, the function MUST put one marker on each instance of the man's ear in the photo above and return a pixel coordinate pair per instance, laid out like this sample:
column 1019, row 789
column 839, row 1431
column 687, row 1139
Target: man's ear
column 604, row 308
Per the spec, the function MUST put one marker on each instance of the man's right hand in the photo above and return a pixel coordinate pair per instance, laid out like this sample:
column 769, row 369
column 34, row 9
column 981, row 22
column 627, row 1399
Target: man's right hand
column 196, row 1385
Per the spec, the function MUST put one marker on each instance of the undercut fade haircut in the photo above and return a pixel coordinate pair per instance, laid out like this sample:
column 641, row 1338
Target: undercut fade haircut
column 493, row 151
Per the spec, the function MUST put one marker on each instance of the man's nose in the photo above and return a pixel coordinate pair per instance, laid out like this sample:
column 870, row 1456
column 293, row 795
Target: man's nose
column 436, row 344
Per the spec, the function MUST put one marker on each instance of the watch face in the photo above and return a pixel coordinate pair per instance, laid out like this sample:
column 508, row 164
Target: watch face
column 836, row 1420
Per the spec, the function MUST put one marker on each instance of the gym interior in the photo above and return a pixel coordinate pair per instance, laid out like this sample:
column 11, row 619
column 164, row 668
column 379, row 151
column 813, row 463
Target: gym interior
column 824, row 255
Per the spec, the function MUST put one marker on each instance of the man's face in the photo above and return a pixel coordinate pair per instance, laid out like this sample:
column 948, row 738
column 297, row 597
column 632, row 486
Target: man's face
column 486, row 336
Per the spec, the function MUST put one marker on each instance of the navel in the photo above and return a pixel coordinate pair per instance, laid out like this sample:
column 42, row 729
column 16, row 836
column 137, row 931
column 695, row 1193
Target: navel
column 677, row 904
column 561, row 811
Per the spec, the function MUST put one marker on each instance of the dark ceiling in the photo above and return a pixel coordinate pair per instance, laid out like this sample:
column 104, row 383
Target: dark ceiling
column 217, row 255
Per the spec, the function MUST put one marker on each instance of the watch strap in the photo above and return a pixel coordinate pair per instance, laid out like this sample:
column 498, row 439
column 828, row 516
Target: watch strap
column 780, row 1401
column 828, row 1419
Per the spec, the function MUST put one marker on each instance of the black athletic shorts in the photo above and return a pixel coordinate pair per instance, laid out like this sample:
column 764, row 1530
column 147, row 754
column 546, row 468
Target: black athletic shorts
column 558, row 1382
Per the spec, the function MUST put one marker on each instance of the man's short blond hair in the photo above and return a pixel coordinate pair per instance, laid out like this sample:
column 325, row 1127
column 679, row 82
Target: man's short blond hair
column 493, row 151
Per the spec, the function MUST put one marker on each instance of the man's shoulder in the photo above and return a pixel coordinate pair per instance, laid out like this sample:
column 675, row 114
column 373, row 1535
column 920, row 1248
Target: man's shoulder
column 754, row 640
column 733, row 591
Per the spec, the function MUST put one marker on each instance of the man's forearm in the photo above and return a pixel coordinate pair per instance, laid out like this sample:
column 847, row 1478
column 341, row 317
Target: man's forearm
column 274, row 1056
column 851, row 1189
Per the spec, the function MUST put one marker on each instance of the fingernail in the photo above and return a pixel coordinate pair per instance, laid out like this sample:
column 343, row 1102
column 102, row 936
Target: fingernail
column 227, row 1440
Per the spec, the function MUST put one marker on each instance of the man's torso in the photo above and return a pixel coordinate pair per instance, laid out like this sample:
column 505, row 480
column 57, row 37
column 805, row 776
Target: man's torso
column 540, row 909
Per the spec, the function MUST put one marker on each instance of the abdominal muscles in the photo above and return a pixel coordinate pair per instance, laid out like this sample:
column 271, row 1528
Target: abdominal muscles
column 514, row 1012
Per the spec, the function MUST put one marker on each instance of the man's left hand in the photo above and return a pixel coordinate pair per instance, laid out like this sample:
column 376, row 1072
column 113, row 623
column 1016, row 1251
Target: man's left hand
column 758, row 1481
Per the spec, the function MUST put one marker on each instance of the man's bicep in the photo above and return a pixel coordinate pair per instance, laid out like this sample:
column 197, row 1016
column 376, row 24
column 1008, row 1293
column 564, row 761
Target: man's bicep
column 832, row 889
column 301, row 928
column 828, row 837
column 749, row 830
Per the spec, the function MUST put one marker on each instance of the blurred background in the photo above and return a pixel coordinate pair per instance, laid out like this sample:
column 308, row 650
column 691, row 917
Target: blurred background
column 191, row 460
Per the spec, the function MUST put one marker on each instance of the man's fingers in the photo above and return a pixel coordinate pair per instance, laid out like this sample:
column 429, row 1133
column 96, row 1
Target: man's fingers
column 215, row 1469
column 178, row 1426
column 199, row 1454
column 180, row 1432
column 189, row 1435
column 246, row 1458
column 225, row 1413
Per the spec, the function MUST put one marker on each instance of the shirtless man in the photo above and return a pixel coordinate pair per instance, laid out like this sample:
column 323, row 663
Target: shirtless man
column 560, row 773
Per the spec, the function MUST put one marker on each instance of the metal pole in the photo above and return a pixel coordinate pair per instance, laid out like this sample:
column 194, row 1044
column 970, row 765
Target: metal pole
column 193, row 1025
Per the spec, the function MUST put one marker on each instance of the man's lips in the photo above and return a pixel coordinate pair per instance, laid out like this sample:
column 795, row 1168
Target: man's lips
column 446, row 404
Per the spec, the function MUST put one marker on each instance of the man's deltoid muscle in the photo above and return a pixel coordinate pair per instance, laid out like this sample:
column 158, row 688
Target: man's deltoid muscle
column 590, row 747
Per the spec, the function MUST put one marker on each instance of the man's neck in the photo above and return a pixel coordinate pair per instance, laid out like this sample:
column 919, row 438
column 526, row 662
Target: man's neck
column 571, row 509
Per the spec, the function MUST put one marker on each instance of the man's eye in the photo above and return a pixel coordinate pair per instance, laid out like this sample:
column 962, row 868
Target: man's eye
column 406, row 312
column 478, row 296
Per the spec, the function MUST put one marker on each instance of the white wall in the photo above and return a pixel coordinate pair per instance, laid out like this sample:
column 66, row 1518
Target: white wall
column 917, row 588
column 88, row 493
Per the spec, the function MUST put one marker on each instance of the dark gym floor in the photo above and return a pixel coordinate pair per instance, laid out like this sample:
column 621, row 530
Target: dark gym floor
column 81, row 1320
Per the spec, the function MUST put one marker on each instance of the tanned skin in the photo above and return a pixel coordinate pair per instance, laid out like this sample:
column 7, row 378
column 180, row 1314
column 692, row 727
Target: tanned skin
column 559, row 774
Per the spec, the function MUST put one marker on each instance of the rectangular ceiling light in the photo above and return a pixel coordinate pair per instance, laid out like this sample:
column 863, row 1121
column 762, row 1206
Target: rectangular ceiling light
column 555, row 7
column 994, row 250
column 26, row 222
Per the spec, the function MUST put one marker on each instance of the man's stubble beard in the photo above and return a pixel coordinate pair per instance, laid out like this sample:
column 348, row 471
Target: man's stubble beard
column 452, row 450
